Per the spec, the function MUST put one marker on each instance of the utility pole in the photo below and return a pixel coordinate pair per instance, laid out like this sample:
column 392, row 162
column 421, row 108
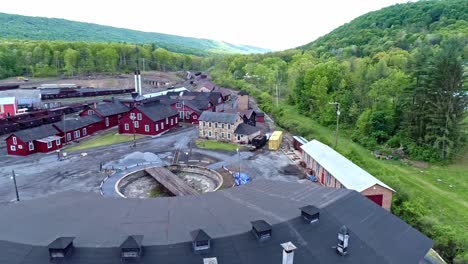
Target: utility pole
column 16, row 187
column 337, row 106
column 238, row 153
column 134, row 138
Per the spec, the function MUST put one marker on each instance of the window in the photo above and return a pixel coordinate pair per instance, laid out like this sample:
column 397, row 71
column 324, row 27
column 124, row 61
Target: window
column 31, row 145
column 328, row 177
column 195, row 117
column 209, row 124
column 77, row 134
column 178, row 105
column 57, row 142
column 126, row 126
column 176, row 120
column 20, row 146
column 136, row 124
column 317, row 169
column 146, row 128
column 229, row 135
column 107, row 121
column 157, row 127
column 187, row 115
column 216, row 125
column 222, row 134
column 202, row 123
column 172, row 122
column 162, row 125
column 139, row 117
column 229, row 126
column 49, row 144
column 15, row 141
column 181, row 114
column 90, row 112
column 219, row 100
column 13, row 148
column 209, row 133
column 68, row 136
column 85, row 131
column 167, row 121
column 132, row 115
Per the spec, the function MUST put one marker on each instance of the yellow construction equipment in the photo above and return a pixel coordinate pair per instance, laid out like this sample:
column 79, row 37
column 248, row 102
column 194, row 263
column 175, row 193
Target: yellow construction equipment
column 275, row 140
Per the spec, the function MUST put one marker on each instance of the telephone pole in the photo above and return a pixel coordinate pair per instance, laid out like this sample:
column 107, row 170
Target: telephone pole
column 337, row 107
column 16, row 187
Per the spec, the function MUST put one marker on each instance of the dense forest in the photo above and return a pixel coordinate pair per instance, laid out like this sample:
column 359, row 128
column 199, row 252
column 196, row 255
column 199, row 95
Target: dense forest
column 399, row 77
column 41, row 28
column 52, row 58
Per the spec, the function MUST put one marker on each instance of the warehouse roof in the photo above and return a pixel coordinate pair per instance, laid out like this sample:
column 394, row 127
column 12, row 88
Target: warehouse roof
column 208, row 116
column 157, row 111
column 35, row 133
column 77, row 123
column 345, row 171
column 110, row 109
column 376, row 236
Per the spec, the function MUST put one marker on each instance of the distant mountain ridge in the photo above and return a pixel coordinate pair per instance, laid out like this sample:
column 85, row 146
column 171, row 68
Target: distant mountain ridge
column 41, row 28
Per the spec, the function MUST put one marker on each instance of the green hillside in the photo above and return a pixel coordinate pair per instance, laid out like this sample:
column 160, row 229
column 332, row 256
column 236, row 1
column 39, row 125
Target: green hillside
column 399, row 76
column 40, row 28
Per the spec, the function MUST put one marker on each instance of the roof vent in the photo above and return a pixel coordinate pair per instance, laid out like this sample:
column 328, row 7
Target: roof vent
column 310, row 213
column 200, row 240
column 210, row 261
column 343, row 237
column 261, row 230
column 60, row 249
column 131, row 249
column 288, row 252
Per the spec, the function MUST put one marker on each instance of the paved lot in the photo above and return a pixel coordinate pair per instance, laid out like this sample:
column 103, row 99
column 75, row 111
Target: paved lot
column 43, row 174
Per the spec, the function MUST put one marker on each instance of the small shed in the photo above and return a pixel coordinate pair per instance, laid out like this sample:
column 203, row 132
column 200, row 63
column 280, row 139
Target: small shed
column 275, row 140
column 298, row 141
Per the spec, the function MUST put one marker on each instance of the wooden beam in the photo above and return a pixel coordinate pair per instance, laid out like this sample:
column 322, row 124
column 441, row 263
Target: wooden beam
column 170, row 181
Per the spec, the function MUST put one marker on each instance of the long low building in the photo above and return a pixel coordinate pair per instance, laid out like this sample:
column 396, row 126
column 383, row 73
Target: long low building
column 263, row 222
column 334, row 170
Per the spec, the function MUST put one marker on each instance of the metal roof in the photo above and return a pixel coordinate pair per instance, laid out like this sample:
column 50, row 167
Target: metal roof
column 35, row 133
column 77, row 123
column 208, row 116
column 7, row 100
column 157, row 111
column 110, row 109
column 101, row 225
column 244, row 129
column 345, row 171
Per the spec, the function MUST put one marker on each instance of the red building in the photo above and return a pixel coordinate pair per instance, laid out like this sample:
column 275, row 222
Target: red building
column 109, row 112
column 149, row 119
column 188, row 111
column 74, row 129
column 8, row 107
column 39, row 139
column 260, row 117
column 334, row 170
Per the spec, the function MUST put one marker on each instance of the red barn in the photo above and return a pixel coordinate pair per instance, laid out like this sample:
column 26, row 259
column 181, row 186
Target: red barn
column 109, row 112
column 8, row 107
column 149, row 119
column 39, row 139
column 189, row 111
column 78, row 128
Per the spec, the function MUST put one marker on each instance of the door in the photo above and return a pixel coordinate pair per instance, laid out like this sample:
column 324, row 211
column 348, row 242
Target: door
column 378, row 198
column 322, row 178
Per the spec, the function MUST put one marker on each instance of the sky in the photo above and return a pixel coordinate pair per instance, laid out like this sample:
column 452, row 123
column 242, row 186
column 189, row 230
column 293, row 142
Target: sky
column 273, row 24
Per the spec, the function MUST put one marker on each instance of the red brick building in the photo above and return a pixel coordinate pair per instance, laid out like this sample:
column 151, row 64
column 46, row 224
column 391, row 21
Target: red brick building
column 334, row 170
column 149, row 119
column 78, row 128
column 8, row 107
column 109, row 112
column 39, row 139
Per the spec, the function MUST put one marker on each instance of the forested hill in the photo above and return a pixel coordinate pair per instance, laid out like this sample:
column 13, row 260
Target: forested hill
column 401, row 26
column 40, row 28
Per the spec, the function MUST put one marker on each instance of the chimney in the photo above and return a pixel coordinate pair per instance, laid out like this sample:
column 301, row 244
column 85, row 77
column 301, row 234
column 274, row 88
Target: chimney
column 136, row 82
column 288, row 252
column 261, row 230
column 131, row 249
column 343, row 237
column 95, row 105
column 61, row 249
column 201, row 241
column 210, row 261
column 310, row 214
column 140, row 92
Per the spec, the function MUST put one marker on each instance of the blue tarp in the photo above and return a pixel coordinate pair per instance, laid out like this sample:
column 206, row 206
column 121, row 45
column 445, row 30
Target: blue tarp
column 241, row 178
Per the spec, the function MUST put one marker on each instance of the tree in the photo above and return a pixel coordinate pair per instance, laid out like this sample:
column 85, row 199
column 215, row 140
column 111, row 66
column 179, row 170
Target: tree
column 70, row 57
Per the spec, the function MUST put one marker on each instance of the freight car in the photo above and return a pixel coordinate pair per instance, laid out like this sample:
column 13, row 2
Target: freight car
column 80, row 92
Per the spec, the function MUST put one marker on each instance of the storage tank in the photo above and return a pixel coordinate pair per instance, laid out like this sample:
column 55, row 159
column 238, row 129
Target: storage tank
column 275, row 140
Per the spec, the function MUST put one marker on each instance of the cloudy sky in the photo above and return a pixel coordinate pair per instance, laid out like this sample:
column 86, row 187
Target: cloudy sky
column 274, row 24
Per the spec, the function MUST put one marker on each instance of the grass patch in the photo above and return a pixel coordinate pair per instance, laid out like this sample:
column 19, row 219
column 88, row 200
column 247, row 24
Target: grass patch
column 155, row 192
column 216, row 145
column 105, row 139
column 441, row 188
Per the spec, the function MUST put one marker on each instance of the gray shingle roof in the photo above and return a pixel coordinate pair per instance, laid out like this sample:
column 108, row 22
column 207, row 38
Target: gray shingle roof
column 36, row 133
column 244, row 129
column 208, row 116
column 157, row 111
column 376, row 236
column 110, row 109
column 80, row 122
